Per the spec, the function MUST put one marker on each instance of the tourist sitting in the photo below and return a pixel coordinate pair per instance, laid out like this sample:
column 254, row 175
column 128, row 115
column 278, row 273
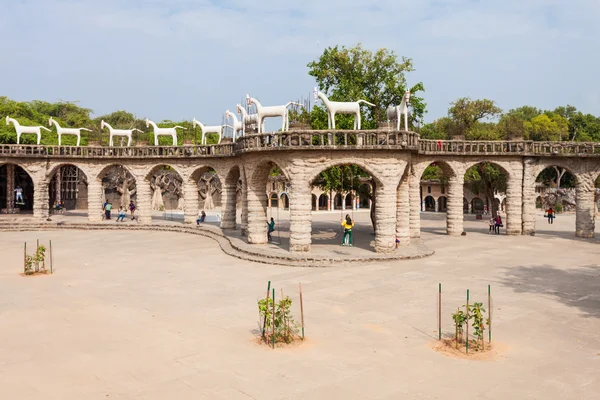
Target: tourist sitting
column 347, row 224
column 121, row 216
column 498, row 224
column 201, row 217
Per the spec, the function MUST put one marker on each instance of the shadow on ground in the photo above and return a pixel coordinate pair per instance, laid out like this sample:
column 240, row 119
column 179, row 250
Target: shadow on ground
column 578, row 287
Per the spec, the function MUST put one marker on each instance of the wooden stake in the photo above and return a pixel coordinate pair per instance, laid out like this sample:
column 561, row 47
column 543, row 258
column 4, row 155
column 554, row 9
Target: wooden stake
column 273, row 327
column 267, row 308
column 301, row 310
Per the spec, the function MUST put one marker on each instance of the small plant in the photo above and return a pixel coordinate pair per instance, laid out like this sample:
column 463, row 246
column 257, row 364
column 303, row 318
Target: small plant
column 476, row 312
column 32, row 262
column 459, row 318
column 286, row 329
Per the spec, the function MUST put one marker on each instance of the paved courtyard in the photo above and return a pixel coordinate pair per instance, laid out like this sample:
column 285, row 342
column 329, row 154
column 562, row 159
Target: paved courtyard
column 150, row 315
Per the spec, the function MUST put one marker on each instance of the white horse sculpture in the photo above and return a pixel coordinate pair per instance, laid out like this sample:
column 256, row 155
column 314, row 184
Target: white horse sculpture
column 163, row 132
column 341, row 107
column 271, row 111
column 67, row 131
column 248, row 119
column 396, row 112
column 35, row 130
column 118, row 132
column 237, row 124
column 218, row 129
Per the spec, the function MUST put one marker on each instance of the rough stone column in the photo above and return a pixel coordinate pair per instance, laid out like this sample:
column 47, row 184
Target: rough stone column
column 437, row 206
column 415, row 205
column 514, row 203
column 300, row 215
column 343, row 202
column 10, row 188
column 228, row 209
column 257, row 214
column 403, row 212
column 585, row 218
column 58, row 191
column 454, row 215
column 95, row 200
column 385, row 218
column 40, row 199
column 244, row 203
column 329, row 201
column 528, row 203
column 190, row 202
column 144, row 201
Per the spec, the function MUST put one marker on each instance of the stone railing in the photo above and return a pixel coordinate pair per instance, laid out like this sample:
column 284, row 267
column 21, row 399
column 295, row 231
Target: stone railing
column 220, row 150
column 509, row 147
column 328, row 139
column 335, row 140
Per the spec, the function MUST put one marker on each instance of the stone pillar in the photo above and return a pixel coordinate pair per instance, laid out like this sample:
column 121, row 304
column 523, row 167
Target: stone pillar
column 343, row 201
column 41, row 199
column 190, row 201
column 329, row 201
column 437, row 205
column 95, row 200
column 454, row 215
column 585, row 224
column 228, row 209
column 385, row 218
column 528, row 199
column 354, row 198
column 144, row 201
column 514, row 203
column 257, row 214
column 10, row 188
column 414, row 192
column 58, row 191
column 244, row 203
column 300, row 216
column 403, row 212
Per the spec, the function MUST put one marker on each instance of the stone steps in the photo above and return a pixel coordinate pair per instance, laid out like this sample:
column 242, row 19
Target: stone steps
column 228, row 245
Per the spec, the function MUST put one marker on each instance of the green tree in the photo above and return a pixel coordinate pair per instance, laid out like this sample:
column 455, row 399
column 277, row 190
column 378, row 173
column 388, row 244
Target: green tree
column 466, row 115
column 547, row 127
column 350, row 74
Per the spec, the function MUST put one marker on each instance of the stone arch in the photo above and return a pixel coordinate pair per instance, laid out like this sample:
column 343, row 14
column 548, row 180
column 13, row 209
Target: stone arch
column 119, row 188
column 67, row 186
column 313, row 202
column 166, row 187
column 344, row 162
column 465, row 206
column 204, row 186
column 448, row 168
column 477, row 205
column 284, row 201
column 257, row 207
column 442, row 204
column 429, row 203
column 323, row 202
column 539, row 202
column 338, row 201
column 11, row 176
column 273, row 200
column 349, row 201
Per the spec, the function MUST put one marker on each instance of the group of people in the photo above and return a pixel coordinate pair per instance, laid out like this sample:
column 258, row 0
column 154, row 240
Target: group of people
column 107, row 207
column 495, row 225
column 58, row 206
column 550, row 214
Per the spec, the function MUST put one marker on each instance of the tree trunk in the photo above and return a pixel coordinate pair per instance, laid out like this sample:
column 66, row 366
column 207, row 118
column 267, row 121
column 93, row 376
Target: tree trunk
column 373, row 200
column 559, row 174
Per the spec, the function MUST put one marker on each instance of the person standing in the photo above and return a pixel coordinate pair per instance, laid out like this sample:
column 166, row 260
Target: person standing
column 270, row 229
column 347, row 224
column 492, row 226
column 132, row 209
column 19, row 194
column 107, row 208
column 498, row 224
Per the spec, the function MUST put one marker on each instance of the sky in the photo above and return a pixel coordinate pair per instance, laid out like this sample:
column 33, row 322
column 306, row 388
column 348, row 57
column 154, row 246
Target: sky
column 184, row 59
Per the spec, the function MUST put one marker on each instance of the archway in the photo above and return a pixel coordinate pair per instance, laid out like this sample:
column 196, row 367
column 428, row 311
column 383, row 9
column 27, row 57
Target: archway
column 349, row 202
column 68, row 190
column 465, row 206
column 429, row 204
column 314, row 202
column 119, row 187
column 337, row 201
column 323, row 202
column 14, row 179
column 284, row 201
column 167, row 193
column 442, row 204
column 477, row 205
column 538, row 202
column 438, row 179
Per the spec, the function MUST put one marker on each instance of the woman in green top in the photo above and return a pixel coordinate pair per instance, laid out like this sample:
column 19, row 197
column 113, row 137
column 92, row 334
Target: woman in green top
column 347, row 224
column 271, row 229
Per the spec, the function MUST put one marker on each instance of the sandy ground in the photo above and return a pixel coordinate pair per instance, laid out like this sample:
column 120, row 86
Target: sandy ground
column 149, row 315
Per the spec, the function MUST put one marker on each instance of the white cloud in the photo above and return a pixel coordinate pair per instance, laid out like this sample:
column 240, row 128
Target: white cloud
column 183, row 58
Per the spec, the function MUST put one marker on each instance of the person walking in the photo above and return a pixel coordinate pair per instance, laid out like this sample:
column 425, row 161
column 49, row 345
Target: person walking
column 121, row 214
column 270, row 229
column 132, row 209
column 347, row 224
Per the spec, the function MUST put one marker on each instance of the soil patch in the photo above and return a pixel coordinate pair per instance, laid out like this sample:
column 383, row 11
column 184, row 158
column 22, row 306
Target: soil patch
column 491, row 351
column 36, row 273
